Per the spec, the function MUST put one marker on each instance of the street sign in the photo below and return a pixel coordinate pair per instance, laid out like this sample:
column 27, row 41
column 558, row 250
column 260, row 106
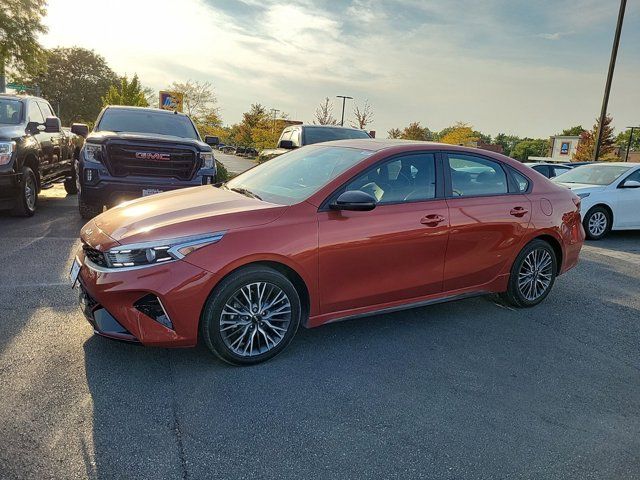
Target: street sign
column 171, row 101
column 16, row 86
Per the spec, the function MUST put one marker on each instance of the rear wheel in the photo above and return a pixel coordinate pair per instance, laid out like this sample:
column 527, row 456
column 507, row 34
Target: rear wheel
column 27, row 199
column 251, row 316
column 597, row 223
column 532, row 275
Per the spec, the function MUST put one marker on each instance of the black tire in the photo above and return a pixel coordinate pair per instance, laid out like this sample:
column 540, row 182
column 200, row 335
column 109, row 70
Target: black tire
column 210, row 321
column 597, row 222
column 26, row 202
column 71, row 182
column 517, row 294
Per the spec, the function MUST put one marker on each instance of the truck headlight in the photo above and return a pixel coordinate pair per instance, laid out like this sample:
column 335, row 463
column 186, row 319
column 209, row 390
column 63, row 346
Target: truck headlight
column 6, row 151
column 152, row 253
column 93, row 152
column 207, row 160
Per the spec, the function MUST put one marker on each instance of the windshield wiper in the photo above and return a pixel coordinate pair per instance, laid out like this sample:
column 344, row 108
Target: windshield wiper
column 245, row 192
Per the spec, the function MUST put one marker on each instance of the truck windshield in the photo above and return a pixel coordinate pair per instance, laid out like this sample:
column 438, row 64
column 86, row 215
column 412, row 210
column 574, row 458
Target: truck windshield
column 146, row 121
column 10, row 111
column 326, row 134
column 295, row 176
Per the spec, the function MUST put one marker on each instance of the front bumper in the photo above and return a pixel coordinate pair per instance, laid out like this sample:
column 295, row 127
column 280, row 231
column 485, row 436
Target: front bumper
column 107, row 300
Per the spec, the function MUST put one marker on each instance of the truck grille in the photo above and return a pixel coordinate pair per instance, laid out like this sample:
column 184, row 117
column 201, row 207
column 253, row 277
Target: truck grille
column 158, row 161
column 96, row 256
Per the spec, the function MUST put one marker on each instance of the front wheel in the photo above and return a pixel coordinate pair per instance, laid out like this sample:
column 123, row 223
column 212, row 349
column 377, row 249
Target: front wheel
column 532, row 275
column 27, row 199
column 597, row 223
column 251, row 316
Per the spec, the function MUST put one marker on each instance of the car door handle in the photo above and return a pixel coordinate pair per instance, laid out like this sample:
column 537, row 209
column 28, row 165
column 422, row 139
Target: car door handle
column 432, row 220
column 518, row 212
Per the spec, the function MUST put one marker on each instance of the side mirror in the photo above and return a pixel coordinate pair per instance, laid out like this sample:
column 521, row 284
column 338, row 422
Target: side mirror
column 630, row 184
column 52, row 125
column 288, row 144
column 212, row 141
column 32, row 128
column 80, row 129
column 355, row 200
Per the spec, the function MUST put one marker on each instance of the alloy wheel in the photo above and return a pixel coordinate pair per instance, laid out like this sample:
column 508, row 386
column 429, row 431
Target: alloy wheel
column 597, row 224
column 536, row 273
column 255, row 319
column 30, row 192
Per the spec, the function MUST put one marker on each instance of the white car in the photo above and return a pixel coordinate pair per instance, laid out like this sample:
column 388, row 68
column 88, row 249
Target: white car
column 610, row 194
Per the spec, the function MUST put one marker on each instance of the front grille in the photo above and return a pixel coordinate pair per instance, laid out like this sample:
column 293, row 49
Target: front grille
column 172, row 162
column 96, row 256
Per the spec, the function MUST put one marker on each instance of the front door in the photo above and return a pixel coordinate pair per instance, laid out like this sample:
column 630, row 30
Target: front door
column 628, row 204
column 392, row 253
column 488, row 217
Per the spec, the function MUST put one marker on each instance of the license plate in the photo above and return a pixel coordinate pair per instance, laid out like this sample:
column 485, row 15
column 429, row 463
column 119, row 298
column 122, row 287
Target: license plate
column 75, row 271
column 150, row 191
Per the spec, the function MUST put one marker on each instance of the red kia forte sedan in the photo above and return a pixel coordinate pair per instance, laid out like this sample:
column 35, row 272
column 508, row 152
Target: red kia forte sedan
column 326, row 232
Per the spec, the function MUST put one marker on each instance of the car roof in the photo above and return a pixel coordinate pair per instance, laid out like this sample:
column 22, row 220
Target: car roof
column 147, row 109
column 13, row 96
column 550, row 164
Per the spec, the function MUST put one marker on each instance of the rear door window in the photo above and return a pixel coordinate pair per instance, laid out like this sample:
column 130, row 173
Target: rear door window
column 473, row 176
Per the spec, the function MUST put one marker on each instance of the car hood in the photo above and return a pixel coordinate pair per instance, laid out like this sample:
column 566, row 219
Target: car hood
column 582, row 187
column 181, row 213
column 103, row 136
column 8, row 132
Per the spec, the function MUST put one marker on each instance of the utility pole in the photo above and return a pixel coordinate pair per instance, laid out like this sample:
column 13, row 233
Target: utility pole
column 626, row 157
column 344, row 99
column 607, row 88
column 273, row 124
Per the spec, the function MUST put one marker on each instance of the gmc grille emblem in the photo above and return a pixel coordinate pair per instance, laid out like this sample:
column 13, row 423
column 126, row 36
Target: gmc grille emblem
column 153, row 156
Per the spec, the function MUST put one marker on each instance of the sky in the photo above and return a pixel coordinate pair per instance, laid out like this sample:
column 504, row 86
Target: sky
column 529, row 68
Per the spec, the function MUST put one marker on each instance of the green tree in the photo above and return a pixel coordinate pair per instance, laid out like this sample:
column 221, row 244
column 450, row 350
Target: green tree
column 414, row 131
column 126, row 93
column 507, row 142
column 586, row 146
column 20, row 24
column 573, row 131
column 74, row 80
column 530, row 147
column 622, row 140
column 394, row 133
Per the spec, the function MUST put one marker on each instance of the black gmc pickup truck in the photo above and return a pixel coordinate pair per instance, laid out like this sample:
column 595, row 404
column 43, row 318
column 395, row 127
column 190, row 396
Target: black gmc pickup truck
column 134, row 152
column 34, row 152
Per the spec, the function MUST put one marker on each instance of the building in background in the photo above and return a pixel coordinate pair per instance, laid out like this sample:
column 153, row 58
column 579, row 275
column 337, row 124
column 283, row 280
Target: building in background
column 563, row 147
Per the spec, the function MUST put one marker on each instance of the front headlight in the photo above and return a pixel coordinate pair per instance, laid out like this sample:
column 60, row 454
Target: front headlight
column 152, row 253
column 93, row 152
column 207, row 159
column 6, row 151
column 584, row 195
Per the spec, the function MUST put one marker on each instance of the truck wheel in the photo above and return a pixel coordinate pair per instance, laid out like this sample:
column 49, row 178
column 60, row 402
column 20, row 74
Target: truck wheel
column 27, row 199
column 71, row 183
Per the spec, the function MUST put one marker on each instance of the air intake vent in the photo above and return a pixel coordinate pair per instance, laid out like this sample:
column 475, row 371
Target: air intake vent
column 152, row 307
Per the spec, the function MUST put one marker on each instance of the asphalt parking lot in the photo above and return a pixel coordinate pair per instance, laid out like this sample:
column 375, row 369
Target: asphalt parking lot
column 460, row 390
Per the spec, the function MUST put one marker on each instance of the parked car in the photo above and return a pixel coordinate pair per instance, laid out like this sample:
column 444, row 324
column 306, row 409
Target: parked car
column 296, row 136
column 134, row 152
column 549, row 170
column 327, row 232
column 610, row 194
column 34, row 152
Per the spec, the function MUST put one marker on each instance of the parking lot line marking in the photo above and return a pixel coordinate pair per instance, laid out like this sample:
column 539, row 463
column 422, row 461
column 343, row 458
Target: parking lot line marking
column 626, row 256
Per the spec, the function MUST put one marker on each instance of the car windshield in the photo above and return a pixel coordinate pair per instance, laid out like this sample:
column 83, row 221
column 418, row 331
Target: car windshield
column 294, row 176
column 10, row 111
column 326, row 134
column 594, row 174
column 146, row 121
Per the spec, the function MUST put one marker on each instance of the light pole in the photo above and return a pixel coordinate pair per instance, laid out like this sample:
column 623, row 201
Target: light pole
column 626, row 156
column 607, row 88
column 344, row 99
column 273, row 124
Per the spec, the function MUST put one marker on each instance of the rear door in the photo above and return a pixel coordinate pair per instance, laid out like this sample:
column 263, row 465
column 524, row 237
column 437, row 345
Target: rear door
column 394, row 252
column 488, row 214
